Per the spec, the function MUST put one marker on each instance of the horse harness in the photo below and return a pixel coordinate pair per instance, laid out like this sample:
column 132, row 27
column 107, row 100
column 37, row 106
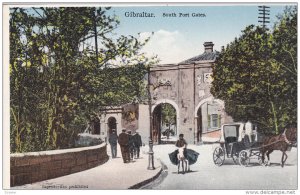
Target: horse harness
column 286, row 139
column 283, row 135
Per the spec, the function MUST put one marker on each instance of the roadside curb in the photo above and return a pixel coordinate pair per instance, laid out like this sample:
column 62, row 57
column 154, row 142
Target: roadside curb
column 147, row 181
column 139, row 185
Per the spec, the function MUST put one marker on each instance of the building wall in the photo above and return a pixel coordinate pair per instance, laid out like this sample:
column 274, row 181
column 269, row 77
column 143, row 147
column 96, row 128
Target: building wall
column 208, row 109
column 202, row 85
column 187, row 101
column 144, row 123
column 164, row 73
column 188, row 87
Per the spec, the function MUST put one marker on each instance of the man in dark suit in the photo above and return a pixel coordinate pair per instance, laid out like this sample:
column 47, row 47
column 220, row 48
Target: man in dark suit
column 113, row 141
column 123, row 141
column 137, row 144
column 131, row 145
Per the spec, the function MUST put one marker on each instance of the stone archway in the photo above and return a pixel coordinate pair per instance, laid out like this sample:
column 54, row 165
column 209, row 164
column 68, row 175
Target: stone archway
column 164, row 101
column 157, row 121
column 209, row 116
column 211, row 98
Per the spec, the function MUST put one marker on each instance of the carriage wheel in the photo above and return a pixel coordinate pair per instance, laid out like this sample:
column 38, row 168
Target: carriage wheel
column 244, row 158
column 219, row 156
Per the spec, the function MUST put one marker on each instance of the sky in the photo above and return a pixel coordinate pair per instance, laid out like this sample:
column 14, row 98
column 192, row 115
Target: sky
column 175, row 39
column 179, row 38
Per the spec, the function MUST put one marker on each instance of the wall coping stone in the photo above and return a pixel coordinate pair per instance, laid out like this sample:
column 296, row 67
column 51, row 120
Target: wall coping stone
column 59, row 151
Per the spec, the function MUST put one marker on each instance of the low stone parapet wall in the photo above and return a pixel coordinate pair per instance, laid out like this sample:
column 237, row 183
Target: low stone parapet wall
column 32, row 167
column 212, row 134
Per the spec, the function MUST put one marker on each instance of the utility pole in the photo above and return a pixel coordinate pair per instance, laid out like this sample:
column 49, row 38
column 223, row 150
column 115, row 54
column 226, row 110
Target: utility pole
column 96, row 39
column 264, row 15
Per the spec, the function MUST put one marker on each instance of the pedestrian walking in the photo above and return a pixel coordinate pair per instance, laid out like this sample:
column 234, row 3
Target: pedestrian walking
column 131, row 145
column 113, row 141
column 137, row 144
column 123, row 141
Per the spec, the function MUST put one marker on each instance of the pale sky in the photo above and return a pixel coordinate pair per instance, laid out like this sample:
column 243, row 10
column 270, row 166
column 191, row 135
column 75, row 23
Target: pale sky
column 176, row 38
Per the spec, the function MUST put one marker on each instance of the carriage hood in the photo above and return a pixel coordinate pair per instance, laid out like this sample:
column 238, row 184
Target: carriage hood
column 243, row 129
column 240, row 131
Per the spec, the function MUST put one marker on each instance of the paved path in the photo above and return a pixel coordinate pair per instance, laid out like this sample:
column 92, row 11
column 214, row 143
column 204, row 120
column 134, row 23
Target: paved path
column 206, row 175
column 114, row 174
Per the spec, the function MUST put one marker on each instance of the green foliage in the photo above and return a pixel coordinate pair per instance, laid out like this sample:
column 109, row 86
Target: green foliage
column 168, row 114
column 57, row 80
column 256, row 75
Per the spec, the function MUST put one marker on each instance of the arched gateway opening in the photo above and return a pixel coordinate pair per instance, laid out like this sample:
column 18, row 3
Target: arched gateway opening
column 164, row 123
column 209, row 118
column 112, row 124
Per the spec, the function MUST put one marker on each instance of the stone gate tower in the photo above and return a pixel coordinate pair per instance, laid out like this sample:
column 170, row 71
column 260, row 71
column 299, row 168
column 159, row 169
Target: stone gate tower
column 186, row 86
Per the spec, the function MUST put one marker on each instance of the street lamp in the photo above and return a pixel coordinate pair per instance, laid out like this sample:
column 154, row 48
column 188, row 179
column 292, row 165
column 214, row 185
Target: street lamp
column 151, row 153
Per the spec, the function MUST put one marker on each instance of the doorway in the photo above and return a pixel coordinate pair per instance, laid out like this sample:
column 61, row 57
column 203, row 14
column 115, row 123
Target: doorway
column 112, row 124
column 164, row 123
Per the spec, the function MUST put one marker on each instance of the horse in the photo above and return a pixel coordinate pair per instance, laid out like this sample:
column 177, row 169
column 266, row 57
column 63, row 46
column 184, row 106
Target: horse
column 279, row 142
column 183, row 161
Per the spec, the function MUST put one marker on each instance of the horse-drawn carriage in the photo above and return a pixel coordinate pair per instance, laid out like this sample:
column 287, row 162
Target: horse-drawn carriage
column 242, row 144
column 234, row 142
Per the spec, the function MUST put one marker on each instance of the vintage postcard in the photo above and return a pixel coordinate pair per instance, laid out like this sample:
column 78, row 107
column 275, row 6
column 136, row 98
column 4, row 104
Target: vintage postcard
column 177, row 96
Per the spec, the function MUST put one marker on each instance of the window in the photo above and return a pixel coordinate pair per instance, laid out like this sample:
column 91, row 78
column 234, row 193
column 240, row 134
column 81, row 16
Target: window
column 214, row 121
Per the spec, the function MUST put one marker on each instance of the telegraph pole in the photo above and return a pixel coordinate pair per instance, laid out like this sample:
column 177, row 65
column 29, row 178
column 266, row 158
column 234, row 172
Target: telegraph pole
column 96, row 39
column 264, row 15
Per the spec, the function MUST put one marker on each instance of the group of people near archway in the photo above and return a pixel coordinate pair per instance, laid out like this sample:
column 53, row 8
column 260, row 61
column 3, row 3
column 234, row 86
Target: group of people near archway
column 129, row 143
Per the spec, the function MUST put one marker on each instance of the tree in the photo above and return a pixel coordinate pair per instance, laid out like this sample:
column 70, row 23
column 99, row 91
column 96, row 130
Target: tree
column 168, row 114
column 58, row 79
column 285, row 54
column 256, row 75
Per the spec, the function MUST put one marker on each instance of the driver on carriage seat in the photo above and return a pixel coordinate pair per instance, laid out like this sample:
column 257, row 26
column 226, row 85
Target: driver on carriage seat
column 181, row 143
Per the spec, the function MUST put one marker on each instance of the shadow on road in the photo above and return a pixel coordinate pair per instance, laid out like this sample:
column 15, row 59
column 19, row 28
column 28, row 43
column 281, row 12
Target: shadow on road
column 175, row 172
column 279, row 165
column 160, row 178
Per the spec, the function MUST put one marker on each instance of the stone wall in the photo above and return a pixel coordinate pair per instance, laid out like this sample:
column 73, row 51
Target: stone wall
column 32, row 167
column 186, row 87
column 187, row 102
column 212, row 134
column 144, row 123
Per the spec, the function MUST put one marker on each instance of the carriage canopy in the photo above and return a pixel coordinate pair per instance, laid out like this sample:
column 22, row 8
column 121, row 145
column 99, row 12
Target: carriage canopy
column 238, row 131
